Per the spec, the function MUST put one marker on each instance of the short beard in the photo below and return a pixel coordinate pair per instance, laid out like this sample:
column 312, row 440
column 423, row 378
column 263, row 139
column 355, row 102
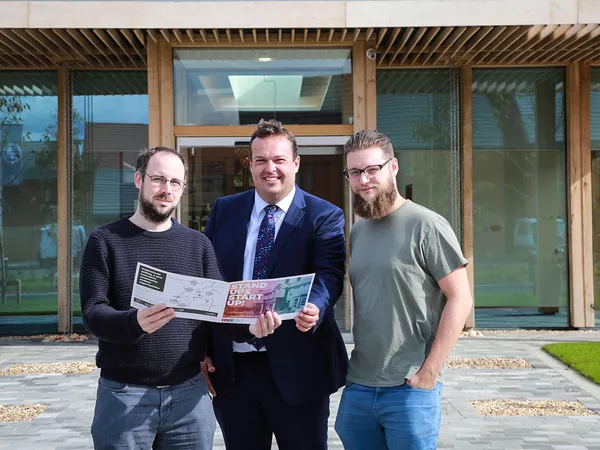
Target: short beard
column 379, row 206
column 151, row 213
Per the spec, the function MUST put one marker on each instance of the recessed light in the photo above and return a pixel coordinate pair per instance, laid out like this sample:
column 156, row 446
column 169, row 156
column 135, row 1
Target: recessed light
column 264, row 59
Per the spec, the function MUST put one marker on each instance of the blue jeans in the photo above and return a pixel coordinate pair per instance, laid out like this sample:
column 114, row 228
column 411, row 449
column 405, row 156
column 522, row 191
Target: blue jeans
column 395, row 418
column 131, row 416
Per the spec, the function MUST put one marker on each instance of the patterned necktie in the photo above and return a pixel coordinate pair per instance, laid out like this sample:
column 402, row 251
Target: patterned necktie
column 264, row 244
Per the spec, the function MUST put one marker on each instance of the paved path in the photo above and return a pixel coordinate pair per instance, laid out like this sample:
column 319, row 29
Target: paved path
column 65, row 424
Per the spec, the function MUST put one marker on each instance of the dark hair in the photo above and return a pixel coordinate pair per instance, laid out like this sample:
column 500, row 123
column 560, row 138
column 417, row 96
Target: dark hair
column 272, row 127
column 146, row 153
column 368, row 139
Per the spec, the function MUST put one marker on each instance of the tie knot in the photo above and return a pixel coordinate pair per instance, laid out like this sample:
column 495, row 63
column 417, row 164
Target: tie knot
column 270, row 209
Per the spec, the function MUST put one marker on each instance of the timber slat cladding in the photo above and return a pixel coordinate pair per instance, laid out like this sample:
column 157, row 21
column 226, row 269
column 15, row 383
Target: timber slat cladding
column 396, row 47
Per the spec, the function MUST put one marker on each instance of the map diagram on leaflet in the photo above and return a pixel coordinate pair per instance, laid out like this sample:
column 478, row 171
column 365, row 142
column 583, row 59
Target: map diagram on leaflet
column 197, row 294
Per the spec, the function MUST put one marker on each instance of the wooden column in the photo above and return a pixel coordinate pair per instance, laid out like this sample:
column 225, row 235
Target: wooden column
column 63, row 225
column 359, row 91
column 466, row 161
column 160, row 94
column 154, row 122
column 580, row 226
column 371, row 92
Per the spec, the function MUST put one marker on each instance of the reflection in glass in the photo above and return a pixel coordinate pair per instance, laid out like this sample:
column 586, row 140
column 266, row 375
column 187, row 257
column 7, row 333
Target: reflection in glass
column 418, row 110
column 110, row 126
column 218, row 171
column 28, row 197
column 240, row 87
column 595, row 146
column 519, row 198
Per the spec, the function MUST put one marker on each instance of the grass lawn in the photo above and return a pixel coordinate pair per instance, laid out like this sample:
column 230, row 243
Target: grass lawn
column 580, row 356
column 511, row 300
column 42, row 304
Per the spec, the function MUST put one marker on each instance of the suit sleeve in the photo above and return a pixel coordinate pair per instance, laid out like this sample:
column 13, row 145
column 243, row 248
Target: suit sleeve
column 329, row 256
column 239, row 333
column 99, row 316
column 209, row 231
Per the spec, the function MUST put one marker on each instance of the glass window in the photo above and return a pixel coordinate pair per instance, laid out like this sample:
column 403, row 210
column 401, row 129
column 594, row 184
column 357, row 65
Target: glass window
column 28, row 199
column 418, row 110
column 110, row 126
column 240, row 87
column 595, row 146
column 519, row 198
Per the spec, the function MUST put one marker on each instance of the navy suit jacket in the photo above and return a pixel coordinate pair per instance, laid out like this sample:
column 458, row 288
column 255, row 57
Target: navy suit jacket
column 306, row 366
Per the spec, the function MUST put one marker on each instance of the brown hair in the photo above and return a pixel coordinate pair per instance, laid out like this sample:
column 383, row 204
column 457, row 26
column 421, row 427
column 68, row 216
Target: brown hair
column 368, row 139
column 272, row 127
column 145, row 154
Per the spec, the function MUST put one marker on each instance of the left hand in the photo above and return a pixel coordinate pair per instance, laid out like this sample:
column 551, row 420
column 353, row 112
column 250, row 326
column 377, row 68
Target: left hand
column 422, row 380
column 307, row 318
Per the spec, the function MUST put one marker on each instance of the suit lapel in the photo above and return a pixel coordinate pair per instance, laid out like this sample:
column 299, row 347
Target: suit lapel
column 240, row 232
column 290, row 223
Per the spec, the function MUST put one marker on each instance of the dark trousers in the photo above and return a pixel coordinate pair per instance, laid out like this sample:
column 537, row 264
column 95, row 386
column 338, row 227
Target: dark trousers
column 254, row 410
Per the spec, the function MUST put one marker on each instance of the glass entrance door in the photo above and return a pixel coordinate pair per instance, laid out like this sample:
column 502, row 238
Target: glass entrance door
column 220, row 167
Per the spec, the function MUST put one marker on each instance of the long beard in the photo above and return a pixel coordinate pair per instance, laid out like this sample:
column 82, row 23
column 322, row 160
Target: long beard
column 150, row 212
column 378, row 206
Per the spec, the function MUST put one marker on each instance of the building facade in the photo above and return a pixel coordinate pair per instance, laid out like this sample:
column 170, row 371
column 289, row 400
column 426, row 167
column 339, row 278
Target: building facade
column 493, row 109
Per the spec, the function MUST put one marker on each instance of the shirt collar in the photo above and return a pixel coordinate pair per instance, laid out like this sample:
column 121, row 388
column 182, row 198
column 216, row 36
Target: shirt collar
column 284, row 204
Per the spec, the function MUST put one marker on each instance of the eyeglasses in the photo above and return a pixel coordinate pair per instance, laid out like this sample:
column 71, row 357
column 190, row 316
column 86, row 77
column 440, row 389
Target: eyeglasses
column 157, row 181
column 370, row 171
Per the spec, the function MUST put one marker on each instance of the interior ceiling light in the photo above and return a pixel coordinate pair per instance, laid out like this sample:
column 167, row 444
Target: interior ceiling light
column 264, row 59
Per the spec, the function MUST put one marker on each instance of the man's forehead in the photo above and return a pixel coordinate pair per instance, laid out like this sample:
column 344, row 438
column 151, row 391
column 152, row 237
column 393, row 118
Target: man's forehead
column 166, row 161
column 272, row 143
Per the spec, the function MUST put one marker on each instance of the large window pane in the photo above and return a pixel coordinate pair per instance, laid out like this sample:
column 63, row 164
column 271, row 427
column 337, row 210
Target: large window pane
column 418, row 110
column 519, row 198
column 28, row 200
column 595, row 145
column 110, row 126
column 240, row 87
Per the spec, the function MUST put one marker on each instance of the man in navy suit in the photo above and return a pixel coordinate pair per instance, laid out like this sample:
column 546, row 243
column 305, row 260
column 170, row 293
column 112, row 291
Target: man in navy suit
column 281, row 385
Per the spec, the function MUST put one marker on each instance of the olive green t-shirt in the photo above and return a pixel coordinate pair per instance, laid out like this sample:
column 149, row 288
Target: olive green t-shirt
column 395, row 264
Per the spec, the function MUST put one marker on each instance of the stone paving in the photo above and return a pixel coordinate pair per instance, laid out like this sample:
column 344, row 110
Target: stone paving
column 66, row 422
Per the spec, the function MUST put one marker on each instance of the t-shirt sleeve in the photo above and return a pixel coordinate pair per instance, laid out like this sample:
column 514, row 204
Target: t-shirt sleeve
column 442, row 251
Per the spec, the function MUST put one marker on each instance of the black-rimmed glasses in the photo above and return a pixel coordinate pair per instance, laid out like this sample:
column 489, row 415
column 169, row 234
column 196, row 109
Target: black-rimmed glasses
column 370, row 171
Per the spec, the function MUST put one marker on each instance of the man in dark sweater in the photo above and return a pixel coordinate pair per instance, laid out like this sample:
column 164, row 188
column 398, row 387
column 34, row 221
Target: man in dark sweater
column 151, row 392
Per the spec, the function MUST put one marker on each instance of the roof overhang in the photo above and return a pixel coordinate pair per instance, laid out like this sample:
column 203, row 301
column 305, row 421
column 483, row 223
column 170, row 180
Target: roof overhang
column 293, row 14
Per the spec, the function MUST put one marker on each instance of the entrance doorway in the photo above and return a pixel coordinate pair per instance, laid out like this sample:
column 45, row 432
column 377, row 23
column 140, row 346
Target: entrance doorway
column 219, row 166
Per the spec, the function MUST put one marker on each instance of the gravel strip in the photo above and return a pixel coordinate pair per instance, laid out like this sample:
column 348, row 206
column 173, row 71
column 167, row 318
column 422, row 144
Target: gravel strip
column 75, row 337
column 488, row 363
column 499, row 407
column 60, row 368
column 20, row 413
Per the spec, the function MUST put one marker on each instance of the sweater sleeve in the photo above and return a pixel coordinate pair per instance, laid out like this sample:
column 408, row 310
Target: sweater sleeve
column 99, row 316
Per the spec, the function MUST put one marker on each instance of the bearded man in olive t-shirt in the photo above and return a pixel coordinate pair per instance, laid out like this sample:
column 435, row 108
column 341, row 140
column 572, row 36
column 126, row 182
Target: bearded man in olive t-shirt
column 411, row 297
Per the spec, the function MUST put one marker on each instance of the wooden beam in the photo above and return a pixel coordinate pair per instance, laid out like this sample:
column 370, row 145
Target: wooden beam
column 167, row 113
column 575, row 223
column 101, row 34
column 154, row 118
column 431, row 33
column 456, row 34
column 390, row 44
column 359, row 110
column 413, row 43
column 94, row 41
column 440, row 38
column 587, row 199
column 129, row 36
column 371, row 93
column 114, row 34
column 63, row 225
column 466, row 163
column 405, row 36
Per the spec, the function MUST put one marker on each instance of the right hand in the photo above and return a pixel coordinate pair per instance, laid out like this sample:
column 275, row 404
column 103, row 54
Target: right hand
column 265, row 324
column 208, row 368
column 155, row 317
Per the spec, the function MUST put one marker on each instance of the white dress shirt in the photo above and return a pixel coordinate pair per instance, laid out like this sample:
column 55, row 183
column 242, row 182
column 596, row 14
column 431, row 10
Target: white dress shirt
column 258, row 212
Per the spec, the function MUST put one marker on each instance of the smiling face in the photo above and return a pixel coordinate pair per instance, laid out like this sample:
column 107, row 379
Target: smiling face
column 373, row 195
column 273, row 167
column 157, row 201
